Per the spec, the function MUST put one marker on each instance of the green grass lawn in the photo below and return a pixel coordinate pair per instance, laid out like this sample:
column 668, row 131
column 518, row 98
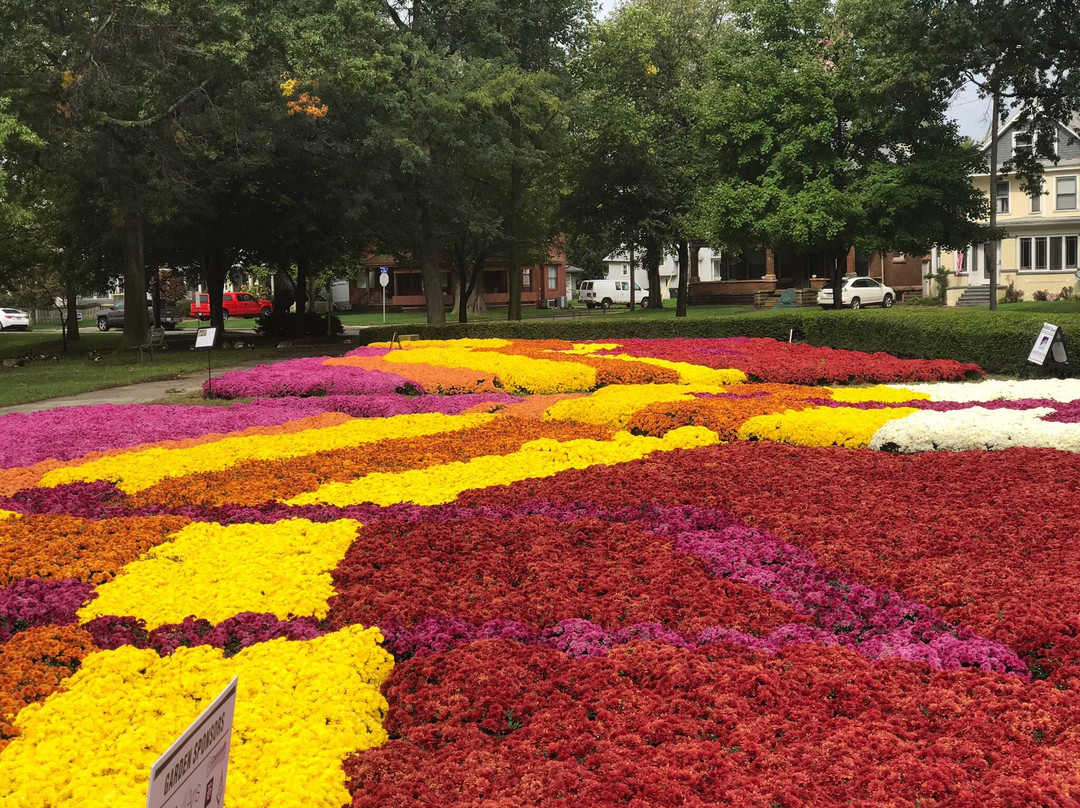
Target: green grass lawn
column 96, row 361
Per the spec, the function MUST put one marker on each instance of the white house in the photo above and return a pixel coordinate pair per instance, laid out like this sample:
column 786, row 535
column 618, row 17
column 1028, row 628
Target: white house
column 618, row 268
column 1042, row 242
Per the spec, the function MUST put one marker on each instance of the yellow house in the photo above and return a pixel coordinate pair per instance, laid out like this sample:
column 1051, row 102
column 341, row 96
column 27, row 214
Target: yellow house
column 1042, row 243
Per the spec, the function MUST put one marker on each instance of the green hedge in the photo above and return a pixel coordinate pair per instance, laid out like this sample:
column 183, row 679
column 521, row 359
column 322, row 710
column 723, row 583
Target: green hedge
column 999, row 342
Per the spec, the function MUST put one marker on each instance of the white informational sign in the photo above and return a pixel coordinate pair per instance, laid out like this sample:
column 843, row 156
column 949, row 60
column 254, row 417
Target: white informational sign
column 1050, row 342
column 204, row 337
column 384, row 276
column 191, row 774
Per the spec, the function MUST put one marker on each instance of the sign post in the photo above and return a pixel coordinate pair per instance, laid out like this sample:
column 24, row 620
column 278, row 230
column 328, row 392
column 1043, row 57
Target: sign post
column 191, row 773
column 1050, row 342
column 384, row 279
column 204, row 338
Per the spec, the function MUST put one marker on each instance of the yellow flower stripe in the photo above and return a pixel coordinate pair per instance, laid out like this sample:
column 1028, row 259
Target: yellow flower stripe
column 614, row 405
column 518, row 374
column 691, row 374
column 467, row 344
column 539, row 458
column 821, row 426
column 138, row 470
column 879, row 392
column 301, row 709
column 218, row 571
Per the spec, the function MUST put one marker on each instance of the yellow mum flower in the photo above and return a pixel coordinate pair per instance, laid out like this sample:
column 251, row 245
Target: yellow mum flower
column 879, row 392
column 539, row 458
column 301, row 709
column 137, row 470
column 614, row 405
column 518, row 374
column 821, row 426
column 218, row 571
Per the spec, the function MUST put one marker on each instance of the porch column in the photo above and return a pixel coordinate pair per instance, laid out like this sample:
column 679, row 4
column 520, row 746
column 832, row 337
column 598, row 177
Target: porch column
column 695, row 274
column 770, row 266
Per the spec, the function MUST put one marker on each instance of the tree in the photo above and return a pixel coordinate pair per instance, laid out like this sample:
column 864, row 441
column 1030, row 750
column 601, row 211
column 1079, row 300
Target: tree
column 823, row 142
column 640, row 166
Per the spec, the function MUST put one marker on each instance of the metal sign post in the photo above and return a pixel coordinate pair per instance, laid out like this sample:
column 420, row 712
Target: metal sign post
column 384, row 279
column 204, row 338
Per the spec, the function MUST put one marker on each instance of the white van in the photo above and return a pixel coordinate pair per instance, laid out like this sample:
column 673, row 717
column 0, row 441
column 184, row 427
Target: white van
column 606, row 293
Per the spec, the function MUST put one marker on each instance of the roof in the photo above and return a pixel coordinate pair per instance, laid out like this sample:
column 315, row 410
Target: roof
column 1072, row 124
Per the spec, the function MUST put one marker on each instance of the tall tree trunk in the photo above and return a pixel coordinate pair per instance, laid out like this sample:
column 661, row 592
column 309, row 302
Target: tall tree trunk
column 214, row 269
column 429, row 267
column 303, row 272
column 136, row 320
column 654, row 254
column 514, row 270
column 284, row 289
column 836, row 265
column 72, row 325
column 474, row 294
column 687, row 267
column 461, row 273
column 991, row 245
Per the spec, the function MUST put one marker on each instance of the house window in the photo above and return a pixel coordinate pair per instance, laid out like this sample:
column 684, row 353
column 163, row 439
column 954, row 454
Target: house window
column 1066, row 193
column 495, row 281
column 1055, row 252
column 625, row 271
column 1025, row 253
column 552, row 278
column 1040, row 253
column 408, row 283
column 1021, row 142
column 1002, row 197
column 1036, row 203
column 526, row 279
column 1070, row 252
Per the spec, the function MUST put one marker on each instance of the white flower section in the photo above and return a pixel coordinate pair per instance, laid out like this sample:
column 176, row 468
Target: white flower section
column 976, row 428
column 995, row 390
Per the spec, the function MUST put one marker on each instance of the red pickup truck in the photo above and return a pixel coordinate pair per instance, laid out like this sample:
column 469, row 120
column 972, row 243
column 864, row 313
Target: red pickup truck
column 234, row 304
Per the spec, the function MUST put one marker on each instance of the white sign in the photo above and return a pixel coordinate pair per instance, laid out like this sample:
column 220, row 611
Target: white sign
column 1048, row 341
column 191, row 774
column 384, row 276
column 204, row 337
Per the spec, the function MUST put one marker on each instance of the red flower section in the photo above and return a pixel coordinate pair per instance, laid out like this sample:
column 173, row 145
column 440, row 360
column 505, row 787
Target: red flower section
column 772, row 361
column 986, row 538
column 648, row 724
column 539, row 571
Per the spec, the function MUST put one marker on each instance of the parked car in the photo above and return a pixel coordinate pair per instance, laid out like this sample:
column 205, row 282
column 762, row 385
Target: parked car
column 233, row 304
column 605, row 293
column 14, row 320
column 858, row 292
column 113, row 316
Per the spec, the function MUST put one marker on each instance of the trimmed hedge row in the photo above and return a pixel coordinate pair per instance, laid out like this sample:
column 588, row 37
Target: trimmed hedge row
column 999, row 342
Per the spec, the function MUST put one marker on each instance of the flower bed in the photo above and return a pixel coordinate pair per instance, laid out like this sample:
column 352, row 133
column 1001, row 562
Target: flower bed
column 670, row 572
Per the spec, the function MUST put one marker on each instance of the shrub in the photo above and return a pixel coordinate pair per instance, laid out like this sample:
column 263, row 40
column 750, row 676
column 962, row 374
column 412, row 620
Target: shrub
column 941, row 283
column 1065, row 293
column 1012, row 294
column 290, row 324
column 921, row 301
column 1042, row 294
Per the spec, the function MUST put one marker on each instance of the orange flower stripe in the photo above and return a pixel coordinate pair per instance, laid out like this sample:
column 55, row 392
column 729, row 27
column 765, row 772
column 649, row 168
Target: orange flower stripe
column 608, row 371
column 16, row 479
column 434, row 379
column 534, row 407
column 34, row 664
column 139, row 470
column 724, row 415
column 52, row 546
column 255, row 482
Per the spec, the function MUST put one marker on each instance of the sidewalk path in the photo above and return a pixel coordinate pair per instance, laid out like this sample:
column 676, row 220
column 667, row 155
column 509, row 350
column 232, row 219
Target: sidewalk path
column 138, row 393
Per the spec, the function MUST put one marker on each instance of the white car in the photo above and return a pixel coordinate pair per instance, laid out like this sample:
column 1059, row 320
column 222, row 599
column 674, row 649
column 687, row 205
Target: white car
column 858, row 292
column 14, row 320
